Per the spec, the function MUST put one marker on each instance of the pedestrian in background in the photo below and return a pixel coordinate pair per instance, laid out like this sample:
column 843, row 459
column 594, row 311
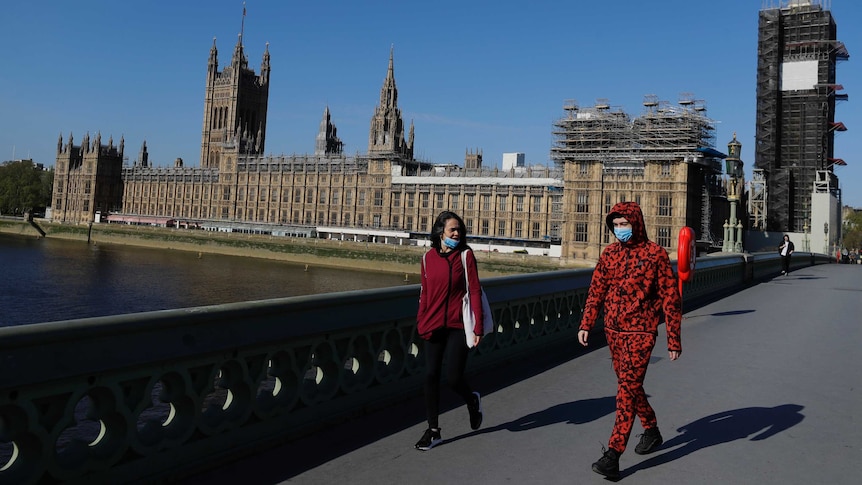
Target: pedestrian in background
column 440, row 323
column 785, row 250
column 633, row 284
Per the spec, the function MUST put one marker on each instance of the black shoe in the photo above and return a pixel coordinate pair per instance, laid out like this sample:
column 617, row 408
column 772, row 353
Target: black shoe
column 429, row 440
column 609, row 464
column 475, row 408
column 650, row 441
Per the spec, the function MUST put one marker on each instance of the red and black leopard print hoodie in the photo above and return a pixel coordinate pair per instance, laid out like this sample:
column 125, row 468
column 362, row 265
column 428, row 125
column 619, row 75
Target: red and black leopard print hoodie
column 634, row 284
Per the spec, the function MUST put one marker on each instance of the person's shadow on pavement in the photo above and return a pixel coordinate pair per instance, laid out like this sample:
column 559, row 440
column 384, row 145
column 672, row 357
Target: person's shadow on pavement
column 575, row 412
column 723, row 428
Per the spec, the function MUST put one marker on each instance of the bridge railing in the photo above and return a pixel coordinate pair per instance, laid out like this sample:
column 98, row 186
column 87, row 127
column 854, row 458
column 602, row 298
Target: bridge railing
column 157, row 394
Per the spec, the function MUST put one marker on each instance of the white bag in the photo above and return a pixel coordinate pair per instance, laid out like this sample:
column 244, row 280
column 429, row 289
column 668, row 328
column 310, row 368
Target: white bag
column 467, row 311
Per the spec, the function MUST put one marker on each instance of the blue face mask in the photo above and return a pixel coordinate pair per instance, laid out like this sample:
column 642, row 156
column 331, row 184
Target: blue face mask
column 623, row 233
column 450, row 243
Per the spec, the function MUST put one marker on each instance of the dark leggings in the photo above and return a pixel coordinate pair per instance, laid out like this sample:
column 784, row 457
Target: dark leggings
column 449, row 343
column 785, row 263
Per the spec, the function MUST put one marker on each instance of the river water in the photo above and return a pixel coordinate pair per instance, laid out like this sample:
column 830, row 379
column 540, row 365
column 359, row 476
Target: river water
column 43, row 280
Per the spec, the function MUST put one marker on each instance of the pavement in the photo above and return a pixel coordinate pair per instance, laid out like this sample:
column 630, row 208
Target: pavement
column 768, row 390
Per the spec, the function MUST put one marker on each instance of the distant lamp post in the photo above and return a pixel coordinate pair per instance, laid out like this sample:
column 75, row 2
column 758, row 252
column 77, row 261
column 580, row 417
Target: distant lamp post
column 733, row 227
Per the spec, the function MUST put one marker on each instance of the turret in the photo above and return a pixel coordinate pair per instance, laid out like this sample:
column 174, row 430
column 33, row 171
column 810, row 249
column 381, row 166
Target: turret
column 410, row 139
column 265, row 67
column 238, row 60
column 143, row 156
column 212, row 65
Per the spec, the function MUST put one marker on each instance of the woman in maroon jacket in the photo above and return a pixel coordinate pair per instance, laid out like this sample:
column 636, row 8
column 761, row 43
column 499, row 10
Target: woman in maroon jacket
column 634, row 284
column 439, row 320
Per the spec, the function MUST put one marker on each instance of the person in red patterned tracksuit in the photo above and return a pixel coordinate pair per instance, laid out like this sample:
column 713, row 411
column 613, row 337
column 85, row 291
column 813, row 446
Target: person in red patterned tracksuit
column 634, row 284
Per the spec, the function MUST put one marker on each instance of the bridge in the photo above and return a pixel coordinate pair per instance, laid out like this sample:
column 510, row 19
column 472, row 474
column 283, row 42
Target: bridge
column 766, row 389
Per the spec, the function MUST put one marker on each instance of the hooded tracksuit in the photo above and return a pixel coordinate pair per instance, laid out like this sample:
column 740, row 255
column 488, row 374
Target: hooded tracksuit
column 633, row 284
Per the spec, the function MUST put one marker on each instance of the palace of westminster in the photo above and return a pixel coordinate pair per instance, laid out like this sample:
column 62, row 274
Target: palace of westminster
column 663, row 159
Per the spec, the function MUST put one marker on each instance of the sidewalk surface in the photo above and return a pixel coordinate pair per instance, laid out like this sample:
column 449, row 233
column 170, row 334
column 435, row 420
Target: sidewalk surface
column 768, row 390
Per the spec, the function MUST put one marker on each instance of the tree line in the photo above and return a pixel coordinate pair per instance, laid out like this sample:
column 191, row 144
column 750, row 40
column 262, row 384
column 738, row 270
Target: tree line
column 852, row 231
column 24, row 187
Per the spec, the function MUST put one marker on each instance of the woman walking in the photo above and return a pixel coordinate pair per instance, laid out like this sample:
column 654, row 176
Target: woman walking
column 440, row 323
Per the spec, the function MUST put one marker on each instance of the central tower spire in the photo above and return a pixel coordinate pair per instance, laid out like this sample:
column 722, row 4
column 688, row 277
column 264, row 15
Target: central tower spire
column 387, row 127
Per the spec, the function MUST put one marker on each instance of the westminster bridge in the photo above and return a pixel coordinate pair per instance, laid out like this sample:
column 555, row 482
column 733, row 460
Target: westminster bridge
column 326, row 388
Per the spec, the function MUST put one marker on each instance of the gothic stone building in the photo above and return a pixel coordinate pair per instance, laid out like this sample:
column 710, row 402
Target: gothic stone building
column 556, row 210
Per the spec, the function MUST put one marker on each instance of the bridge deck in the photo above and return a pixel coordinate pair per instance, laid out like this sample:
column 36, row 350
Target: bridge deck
column 768, row 390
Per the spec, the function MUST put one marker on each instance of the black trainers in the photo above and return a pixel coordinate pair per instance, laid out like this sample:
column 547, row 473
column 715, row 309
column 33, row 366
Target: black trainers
column 429, row 440
column 475, row 408
column 609, row 464
column 650, row 441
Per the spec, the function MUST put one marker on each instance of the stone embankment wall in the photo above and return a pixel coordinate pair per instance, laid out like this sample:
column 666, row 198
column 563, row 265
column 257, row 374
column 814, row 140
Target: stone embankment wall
column 315, row 252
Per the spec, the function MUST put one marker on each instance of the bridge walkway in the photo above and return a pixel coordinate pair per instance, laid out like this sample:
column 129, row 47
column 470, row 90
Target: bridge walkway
column 768, row 390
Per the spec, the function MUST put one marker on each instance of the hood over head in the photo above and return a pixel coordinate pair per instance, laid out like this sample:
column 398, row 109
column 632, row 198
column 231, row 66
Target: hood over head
column 632, row 212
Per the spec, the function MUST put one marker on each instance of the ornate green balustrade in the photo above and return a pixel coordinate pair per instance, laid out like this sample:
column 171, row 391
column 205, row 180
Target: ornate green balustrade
column 149, row 395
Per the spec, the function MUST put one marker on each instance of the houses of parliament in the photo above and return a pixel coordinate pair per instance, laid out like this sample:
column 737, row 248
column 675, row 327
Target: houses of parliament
column 664, row 159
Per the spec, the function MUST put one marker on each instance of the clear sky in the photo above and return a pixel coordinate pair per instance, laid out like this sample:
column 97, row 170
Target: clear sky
column 471, row 74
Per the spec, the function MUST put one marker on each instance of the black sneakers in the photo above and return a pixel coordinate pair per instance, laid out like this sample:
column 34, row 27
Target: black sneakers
column 429, row 440
column 475, row 408
column 609, row 464
column 650, row 441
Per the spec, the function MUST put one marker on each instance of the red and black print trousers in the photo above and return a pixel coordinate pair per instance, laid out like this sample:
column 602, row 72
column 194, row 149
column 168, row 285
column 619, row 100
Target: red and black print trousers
column 630, row 353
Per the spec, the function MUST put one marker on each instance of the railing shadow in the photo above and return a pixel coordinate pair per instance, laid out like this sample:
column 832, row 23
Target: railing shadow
column 269, row 466
column 724, row 427
column 731, row 313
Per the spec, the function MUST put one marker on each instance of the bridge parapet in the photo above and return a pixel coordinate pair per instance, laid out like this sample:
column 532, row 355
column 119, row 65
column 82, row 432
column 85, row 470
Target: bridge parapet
column 150, row 395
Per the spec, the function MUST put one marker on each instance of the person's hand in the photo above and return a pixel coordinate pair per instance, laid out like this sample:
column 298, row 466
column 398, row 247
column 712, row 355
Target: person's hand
column 582, row 337
column 476, row 339
column 674, row 354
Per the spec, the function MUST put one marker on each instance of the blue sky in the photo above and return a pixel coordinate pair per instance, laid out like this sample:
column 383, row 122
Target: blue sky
column 489, row 75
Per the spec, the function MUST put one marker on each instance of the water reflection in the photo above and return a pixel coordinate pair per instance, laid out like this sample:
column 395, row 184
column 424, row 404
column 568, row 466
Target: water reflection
column 47, row 279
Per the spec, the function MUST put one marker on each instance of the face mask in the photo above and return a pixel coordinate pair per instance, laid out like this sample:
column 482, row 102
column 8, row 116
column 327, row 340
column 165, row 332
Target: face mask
column 450, row 243
column 623, row 234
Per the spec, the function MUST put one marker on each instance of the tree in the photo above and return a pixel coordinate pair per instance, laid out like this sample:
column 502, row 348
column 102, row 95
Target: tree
column 852, row 233
column 23, row 186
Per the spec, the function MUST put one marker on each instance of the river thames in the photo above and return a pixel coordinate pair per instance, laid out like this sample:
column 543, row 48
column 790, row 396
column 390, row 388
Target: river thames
column 46, row 279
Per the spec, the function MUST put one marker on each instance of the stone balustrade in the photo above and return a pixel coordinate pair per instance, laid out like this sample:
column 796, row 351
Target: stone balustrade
column 159, row 394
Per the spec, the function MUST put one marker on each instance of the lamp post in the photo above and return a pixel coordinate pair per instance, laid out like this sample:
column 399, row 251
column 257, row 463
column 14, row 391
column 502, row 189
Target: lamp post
column 733, row 227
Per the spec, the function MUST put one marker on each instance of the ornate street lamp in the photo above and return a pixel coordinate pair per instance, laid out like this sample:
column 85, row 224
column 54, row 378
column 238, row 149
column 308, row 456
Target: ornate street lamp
column 733, row 227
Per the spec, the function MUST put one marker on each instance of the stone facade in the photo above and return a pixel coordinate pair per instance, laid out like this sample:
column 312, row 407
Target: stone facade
column 87, row 179
column 560, row 206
